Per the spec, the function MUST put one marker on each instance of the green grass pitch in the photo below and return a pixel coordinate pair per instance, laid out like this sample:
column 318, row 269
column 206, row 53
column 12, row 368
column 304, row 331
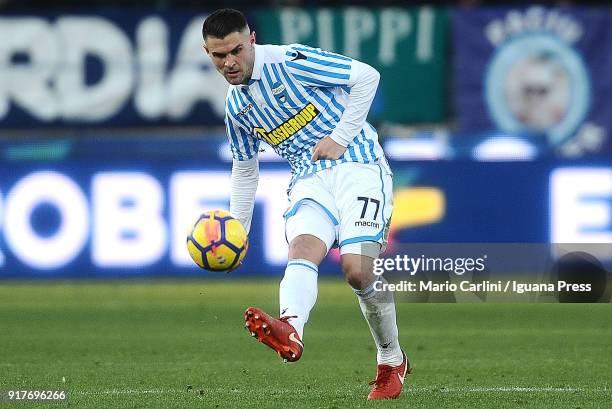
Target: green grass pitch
column 183, row 345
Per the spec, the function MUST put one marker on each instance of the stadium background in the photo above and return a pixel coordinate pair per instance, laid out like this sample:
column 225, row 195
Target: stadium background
column 113, row 140
column 496, row 120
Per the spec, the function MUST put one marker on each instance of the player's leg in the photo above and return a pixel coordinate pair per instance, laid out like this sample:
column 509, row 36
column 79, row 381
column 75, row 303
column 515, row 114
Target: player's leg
column 365, row 211
column 310, row 231
column 297, row 292
column 378, row 307
column 310, row 234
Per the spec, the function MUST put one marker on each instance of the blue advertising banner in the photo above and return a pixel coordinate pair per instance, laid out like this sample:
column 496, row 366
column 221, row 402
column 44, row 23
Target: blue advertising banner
column 118, row 67
column 542, row 73
column 126, row 217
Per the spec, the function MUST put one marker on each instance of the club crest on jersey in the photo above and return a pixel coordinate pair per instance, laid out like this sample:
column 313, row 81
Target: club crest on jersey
column 289, row 127
column 279, row 91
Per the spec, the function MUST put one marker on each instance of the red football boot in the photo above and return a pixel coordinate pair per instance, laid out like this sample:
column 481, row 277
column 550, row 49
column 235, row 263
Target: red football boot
column 278, row 334
column 389, row 380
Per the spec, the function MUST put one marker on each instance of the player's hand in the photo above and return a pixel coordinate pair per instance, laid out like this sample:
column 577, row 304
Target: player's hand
column 327, row 148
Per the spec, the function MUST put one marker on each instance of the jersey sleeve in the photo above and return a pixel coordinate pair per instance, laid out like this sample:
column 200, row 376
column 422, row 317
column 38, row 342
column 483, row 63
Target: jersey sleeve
column 243, row 144
column 319, row 68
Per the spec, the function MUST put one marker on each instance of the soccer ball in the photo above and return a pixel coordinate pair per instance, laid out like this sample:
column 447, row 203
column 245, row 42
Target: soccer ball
column 217, row 242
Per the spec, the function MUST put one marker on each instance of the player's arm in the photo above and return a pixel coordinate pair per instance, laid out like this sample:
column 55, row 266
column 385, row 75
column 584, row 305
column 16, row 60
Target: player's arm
column 245, row 168
column 325, row 69
column 363, row 83
column 245, row 176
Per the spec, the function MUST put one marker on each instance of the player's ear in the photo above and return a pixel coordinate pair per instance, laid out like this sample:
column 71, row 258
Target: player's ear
column 252, row 39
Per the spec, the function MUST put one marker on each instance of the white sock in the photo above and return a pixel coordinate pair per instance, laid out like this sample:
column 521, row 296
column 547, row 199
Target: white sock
column 298, row 292
column 378, row 308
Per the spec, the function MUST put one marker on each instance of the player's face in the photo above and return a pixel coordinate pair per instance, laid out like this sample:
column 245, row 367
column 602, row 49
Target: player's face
column 233, row 55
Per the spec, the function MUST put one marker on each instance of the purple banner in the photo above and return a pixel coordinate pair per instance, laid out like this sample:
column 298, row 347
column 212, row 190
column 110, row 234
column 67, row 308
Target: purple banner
column 541, row 73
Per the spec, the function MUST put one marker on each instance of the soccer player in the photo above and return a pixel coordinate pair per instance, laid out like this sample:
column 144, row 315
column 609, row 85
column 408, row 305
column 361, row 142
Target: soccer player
column 310, row 106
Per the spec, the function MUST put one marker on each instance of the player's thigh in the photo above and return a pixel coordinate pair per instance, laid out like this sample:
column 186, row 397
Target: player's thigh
column 313, row 189
column 310, row 233
column 364, row 196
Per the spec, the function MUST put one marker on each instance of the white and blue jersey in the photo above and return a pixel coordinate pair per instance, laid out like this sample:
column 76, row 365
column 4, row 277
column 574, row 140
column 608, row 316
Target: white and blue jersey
column 296, row 96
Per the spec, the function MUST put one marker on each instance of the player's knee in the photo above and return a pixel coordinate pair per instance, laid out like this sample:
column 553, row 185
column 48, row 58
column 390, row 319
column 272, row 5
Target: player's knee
column 357, row 272
column 307, row 247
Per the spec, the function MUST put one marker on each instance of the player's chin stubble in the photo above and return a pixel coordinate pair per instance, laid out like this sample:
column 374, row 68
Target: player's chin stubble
column 232, row 81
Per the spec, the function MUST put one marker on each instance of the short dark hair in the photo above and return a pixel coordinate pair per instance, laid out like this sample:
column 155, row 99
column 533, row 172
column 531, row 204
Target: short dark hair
column 223, row 22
